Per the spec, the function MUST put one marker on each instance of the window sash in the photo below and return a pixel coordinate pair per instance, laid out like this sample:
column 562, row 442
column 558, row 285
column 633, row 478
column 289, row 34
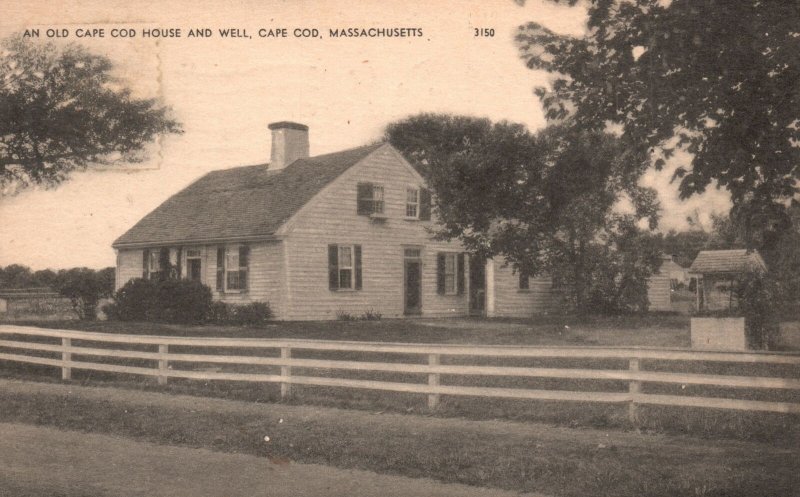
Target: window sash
column 450, row 274
column 377, row 199
column 234, row 274
column 346, row 279
column 154, row 263
column 412, row 203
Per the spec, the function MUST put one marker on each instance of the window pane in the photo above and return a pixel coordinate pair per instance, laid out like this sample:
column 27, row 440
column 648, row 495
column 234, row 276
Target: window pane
column 345, row 257
column 377, row 199
column 193, row 253
column 232, row 260
column 154, row 262
column 233, row 280
column 450, row 283
column 411, row 210
column 411, row 195
column 345, row 278
column 413, row 253
column 450, row 264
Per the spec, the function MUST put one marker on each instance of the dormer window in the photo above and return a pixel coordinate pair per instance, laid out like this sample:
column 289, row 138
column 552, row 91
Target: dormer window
column 370, row 199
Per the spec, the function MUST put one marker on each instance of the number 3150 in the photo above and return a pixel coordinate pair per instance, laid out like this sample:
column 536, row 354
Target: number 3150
column 484, row 32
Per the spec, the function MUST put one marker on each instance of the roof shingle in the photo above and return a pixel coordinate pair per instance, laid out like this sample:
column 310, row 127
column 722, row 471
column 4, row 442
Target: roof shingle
column 242, row 202
column 727, row 261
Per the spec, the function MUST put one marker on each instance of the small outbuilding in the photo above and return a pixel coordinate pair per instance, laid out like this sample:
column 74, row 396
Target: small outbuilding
column 716, row 272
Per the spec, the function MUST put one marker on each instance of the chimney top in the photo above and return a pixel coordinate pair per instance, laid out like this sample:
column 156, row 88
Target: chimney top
column 289, row 143
column 288, row 125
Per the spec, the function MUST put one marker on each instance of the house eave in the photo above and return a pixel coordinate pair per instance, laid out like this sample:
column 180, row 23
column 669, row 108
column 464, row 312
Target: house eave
column 195, row 241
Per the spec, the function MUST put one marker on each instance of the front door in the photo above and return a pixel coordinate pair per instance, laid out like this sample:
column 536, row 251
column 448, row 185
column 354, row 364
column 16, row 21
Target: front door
column 477, row 286
column 412, row 281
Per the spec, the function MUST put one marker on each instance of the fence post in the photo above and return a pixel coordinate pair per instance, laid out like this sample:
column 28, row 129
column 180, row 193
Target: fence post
column 163, row 350
column 634, row 387
column 66, row 357
column 433, row 380
column 286, row 372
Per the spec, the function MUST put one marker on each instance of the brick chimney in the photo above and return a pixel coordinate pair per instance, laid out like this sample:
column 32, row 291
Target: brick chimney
column 289, row 143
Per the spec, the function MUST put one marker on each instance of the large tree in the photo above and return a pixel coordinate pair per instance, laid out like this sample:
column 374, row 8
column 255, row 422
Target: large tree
column 549, row 203
column 719, row 79
column 61, row 109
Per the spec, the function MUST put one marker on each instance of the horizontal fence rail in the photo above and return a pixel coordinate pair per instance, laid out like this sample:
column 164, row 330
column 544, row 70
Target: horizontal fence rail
column 14, row 348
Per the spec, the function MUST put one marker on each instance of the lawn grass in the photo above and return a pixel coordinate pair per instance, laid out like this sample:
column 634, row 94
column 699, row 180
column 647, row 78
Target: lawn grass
column 525, row 457
column 653, row 330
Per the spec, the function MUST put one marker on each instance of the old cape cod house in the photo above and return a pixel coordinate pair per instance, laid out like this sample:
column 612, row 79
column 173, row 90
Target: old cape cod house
column 317, row 236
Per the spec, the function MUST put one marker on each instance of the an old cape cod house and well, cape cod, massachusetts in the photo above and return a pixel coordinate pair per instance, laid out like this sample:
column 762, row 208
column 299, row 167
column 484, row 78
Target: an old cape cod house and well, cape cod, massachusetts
column 317, row 236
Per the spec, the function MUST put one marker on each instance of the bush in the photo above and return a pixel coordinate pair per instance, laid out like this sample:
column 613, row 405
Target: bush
column 759, row 302
column 169, row 301
column 134, row 301
column 344, row 316
column 252, row 314
column 371, row 315
column 182, row 301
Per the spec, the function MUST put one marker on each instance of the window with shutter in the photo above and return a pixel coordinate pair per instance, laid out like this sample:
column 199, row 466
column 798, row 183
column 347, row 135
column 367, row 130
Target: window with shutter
column 344, row 267
column 369, row 199
column 152, row 263
column 233, row 268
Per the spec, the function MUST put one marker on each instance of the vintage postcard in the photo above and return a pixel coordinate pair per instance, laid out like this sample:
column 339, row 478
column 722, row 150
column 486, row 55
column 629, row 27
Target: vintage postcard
column 395, row 248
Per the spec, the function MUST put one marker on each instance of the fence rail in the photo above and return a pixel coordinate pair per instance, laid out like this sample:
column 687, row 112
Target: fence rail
column 635, row 374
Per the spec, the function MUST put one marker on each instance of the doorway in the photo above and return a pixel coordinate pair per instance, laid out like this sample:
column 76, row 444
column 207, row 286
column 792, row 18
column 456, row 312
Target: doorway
column 412, row 281
column 477, row 286
column 193, row 265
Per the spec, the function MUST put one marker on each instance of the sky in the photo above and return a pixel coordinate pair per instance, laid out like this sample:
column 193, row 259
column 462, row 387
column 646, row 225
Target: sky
column 226, row 91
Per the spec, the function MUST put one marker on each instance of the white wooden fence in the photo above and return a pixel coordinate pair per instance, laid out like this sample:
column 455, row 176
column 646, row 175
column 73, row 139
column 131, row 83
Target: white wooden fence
column 634, row 374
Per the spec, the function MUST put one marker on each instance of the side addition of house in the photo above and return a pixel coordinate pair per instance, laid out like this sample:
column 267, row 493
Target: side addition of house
column 315, row 237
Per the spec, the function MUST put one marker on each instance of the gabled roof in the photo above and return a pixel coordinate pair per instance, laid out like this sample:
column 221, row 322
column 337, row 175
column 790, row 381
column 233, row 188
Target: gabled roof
column 240, row 203
column 727, row 261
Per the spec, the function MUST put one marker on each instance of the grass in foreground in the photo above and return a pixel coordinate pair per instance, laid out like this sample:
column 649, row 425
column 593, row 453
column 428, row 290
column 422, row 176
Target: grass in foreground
column 522, row 457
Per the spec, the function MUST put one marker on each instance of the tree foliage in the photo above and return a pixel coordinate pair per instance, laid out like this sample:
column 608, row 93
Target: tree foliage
column 85, row 287
column 61, row 109
column 719, row 79
column 549, row 203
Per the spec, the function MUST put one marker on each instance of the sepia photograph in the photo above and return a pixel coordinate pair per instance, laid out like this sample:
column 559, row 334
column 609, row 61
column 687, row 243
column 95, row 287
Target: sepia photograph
column 443, row 248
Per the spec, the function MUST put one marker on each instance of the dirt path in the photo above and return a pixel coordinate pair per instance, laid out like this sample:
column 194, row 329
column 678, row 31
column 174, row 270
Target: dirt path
column 45, row 461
